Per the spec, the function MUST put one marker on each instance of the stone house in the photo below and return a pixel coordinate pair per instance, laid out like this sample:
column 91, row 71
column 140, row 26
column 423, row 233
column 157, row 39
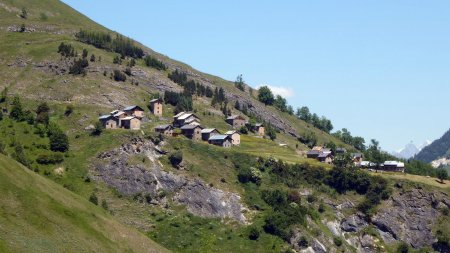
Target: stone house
column 221, row 140
column 156, row 106
column 109, row 121
column 235, row 137
column 184, row 118
column 208, row 132
column 237, row 121
column 192, row 132
column 135, row 111
column 164, row 129
column 259, row 128
column 313, row 154
column 325, row 157
column 131, row 122
column 394, row 166
column 357, row 158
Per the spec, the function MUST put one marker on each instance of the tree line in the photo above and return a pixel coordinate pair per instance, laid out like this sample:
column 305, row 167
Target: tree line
column 119, row 44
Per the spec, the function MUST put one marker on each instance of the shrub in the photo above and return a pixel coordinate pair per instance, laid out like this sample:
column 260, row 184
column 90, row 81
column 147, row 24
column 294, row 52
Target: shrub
column 402, row 248
column 176, row 158
column 79, row 67
column 254, row 233
column 105, row 204
column 128, row 71
column 442, row 174
column 50, row 158
column 337, row 241
column 303, row 242
column 243, row 130
column 119, row 76
column 69, row 110
column 93, row 199
column 59, row 142
column 98, row 129
column 2, row 148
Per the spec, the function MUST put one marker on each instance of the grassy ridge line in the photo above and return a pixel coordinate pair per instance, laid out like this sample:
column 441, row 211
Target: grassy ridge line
column 37, row 215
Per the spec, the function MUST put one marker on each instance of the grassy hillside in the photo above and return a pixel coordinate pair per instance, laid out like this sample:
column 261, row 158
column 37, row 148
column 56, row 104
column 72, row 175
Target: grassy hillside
column 37, row 215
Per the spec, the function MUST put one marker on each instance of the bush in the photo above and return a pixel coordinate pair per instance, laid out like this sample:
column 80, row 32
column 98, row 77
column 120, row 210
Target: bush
column 98, row 128
column 303, row 242
column 59, row 142
column 50, row 158
column 337, row 241
column 105, row 204
column 442, row 174
column 119, row 76
column 93, row 199
column 176, row 158
column 402, row 248
column 254, row 233
column 79, row 67
column 2, row 148
column 69, row 110
column 243, row 130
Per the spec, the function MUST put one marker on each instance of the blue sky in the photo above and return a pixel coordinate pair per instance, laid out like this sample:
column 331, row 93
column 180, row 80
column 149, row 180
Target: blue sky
column 379, row 68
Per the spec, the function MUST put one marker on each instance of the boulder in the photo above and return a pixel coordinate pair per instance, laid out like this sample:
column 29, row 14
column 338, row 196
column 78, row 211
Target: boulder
column 353, row 223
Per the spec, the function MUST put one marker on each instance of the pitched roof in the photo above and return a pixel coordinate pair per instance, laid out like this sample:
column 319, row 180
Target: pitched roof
column 258, row 124
column 163, row 127
column 190, row 127
column 186, row 115
column 189, row 119
column 118, row 113
column 106, row 116
column 129, row 118
column 219, row 137
column 208, row 130
column 357, row 155
column 324, row 155
column 317, row 148
column 115, row 111
column 132, row 107
column 179, row 114
column 235, row 117
column 313, row 152
column 231, row 132
column 155, row 100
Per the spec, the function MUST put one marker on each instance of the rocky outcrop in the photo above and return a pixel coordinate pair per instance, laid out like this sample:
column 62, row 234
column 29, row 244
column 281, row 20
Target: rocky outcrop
column 353, row 223
column 410, row 216
column 115, row 168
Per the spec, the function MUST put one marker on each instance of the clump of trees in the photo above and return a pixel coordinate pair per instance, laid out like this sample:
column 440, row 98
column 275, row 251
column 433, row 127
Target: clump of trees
column 191, row 87
column 345, row 136
column 265, row 95
column 119, row 44
column 154, row 63
column 239, row 83
column 181, row 101
column 79, row 67
column 322, row 123
column 66, row 50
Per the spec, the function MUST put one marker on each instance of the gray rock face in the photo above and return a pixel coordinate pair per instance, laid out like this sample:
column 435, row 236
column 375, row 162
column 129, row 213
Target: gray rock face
column 318, row 247
column 152, row 182
column 353, row 223
column 410, row 216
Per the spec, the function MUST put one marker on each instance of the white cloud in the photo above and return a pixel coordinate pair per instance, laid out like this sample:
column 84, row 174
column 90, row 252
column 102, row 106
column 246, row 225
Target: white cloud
column 279, row 90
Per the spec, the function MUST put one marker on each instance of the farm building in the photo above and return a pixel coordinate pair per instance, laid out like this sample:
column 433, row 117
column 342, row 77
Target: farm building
column 235, row 137
column 184, row 118
column 220, row 140
column 156, row 106
column 237, row 121
column 131, row 122
column 325, row 157
column 109, row 121
column 192, row 131
column 134, row 111
column 393, row 166
column 164, row 129
column 208, row 132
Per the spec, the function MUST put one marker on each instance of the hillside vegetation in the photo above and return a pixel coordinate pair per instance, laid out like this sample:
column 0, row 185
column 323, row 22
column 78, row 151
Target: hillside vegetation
column 37, row 215
column 439, row 148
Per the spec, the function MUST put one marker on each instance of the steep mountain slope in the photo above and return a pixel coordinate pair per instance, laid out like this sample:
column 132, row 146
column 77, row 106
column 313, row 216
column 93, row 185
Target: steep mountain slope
column 439, row 148
column 34, row 54
column 37, row 215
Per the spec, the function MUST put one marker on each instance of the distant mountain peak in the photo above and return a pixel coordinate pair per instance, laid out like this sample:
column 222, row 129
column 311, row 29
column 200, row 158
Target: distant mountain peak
column 410, row 150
